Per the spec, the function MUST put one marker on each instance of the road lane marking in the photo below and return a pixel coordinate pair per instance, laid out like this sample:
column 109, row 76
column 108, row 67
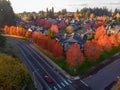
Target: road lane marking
column 33, row 68
column 45, row 62
column 84, row 83
column 41, row 66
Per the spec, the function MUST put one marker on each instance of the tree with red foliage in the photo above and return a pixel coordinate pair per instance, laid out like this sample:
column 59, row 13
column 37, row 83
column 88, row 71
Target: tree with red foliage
column 74, row 56
column 58, row 50
column 54, row 28
column 62, row 25
column 113, row 40
column 100, row 31
column 46, row 24
column 51, row 45
column 105, row 42
column 98, row 24
column 41, row 41
column 92, row 49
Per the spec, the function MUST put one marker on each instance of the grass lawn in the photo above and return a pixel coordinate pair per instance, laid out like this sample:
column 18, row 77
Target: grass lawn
column 86, row 66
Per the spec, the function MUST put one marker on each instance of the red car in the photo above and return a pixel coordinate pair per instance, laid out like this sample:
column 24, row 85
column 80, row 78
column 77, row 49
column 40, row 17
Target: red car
column 48, row 79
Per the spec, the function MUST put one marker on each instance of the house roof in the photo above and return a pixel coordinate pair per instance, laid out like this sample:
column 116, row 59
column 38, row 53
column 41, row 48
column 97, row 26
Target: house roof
column 73, row 39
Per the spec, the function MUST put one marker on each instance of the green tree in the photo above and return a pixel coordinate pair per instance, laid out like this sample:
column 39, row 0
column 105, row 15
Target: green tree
column 7, row 16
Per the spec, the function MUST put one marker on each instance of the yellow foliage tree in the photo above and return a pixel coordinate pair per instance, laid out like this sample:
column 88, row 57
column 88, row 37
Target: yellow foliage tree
column 91, row 15
column 13, row 74
column 69, row 29
column 118, row 84
column 117, row 15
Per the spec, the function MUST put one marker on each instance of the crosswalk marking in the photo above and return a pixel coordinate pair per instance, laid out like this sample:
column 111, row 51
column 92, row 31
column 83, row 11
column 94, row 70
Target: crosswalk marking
column 69, row 81
column 66, row 82
column 59, row 86
column 63, row 84
column 55, row 88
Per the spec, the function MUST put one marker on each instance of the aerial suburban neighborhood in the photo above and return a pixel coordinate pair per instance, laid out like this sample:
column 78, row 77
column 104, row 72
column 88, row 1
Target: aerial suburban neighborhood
column 57, row 45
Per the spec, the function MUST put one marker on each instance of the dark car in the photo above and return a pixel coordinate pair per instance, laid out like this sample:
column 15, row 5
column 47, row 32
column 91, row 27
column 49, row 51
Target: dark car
column 48, row 79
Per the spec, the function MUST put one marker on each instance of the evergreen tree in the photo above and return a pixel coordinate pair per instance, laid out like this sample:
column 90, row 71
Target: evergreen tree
column 7, row 16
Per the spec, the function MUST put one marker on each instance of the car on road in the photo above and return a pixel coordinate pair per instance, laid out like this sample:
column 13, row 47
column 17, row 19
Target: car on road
column 48, row 79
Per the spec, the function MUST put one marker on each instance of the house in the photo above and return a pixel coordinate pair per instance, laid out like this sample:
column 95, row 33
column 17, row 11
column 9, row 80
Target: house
column 70, row 40
column 113, row 31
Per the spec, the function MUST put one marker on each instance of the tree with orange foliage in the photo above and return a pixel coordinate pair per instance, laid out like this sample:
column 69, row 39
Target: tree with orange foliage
column 69, row 29
column 117, row 15
column 100, row 31
column 76, row 16
column 91, row 15
column 14, row 30
column 105, row 42
column 11, row 30
column 6, row 29
column 35, row 36
column 54, row 28
column 92, row 49
column 28, row 34
column 113, row 40
column 19, row 31
column 74, row 56
column 118, row 38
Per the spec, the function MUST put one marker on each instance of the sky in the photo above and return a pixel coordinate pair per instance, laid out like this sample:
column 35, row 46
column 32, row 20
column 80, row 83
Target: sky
column 70, row 5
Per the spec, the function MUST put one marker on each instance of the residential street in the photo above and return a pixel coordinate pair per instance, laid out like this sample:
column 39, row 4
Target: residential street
column 105, row 76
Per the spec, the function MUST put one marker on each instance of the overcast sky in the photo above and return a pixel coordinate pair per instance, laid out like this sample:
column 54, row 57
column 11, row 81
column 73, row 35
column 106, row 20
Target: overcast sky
column 70, row 5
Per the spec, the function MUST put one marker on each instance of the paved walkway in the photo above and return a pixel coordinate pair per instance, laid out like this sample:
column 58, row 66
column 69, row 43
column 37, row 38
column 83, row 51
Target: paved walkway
column 104, row 76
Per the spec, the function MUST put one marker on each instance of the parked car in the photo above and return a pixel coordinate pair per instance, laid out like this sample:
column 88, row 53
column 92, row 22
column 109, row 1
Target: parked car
column 48, row 79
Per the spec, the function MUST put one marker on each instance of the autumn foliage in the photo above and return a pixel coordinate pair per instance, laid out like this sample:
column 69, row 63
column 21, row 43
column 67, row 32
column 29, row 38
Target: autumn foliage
column 92, row 49
column 54, row 28
column 113, row 40
column 74, row 56
column 48, row 44
column 100, row 32
column 105, row 42
column 118, row 38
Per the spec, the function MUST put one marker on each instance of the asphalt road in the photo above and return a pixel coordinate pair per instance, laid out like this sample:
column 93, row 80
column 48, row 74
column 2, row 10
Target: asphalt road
column 105, row 76
column 38, row 68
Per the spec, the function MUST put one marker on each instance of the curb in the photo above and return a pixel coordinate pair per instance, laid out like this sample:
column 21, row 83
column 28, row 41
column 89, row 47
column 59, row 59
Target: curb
column 55, row 66
column 103, row 64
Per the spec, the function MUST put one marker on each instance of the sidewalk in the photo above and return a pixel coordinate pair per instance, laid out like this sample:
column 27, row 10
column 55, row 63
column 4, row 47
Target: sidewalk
column 55, row 66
